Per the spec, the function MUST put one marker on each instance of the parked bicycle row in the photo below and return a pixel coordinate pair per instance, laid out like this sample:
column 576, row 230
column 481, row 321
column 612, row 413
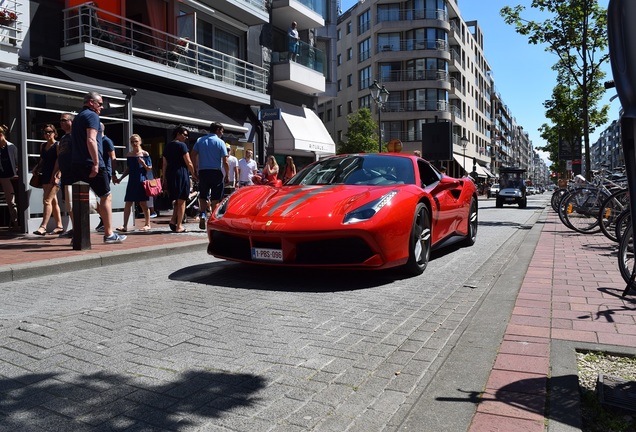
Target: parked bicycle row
column 600, row 205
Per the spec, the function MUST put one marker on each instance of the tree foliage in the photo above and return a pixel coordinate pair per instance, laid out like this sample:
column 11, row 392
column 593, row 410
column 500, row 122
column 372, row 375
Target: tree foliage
column 577, row 34
column 361, row 137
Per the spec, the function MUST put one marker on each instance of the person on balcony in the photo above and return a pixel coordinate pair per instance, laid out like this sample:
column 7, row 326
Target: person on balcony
column 294, row 41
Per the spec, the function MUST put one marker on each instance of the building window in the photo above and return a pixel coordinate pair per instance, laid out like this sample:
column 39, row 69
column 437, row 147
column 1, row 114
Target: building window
column 339, row 34
column 349, row 54
column 364, row 102
column 364, row 21
column 349, row 80
column 349, row 107
column 364, row 50
column 339, row 136
column 339, row 59
column 349, row 27
column 364, row 78
column 329, row 114
column 339, row 111
column 339, row 85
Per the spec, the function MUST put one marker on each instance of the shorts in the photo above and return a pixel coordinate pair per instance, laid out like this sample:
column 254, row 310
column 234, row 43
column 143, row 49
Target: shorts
column 100, row 184
column 211, row 184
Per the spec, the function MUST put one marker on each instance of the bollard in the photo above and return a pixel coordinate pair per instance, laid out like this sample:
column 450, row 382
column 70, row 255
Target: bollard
column 81, row 216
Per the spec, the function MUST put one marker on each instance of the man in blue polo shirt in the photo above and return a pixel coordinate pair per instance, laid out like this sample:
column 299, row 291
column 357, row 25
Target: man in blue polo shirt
column 87, row 161
column 209, row 154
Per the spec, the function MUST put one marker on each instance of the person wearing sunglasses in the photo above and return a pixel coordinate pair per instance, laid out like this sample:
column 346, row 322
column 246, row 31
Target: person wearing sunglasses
column 88, row 162
column 175, row 175
column 50, row 175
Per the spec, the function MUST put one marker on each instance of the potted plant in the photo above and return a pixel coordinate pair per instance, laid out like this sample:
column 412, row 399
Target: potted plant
column 7, row 17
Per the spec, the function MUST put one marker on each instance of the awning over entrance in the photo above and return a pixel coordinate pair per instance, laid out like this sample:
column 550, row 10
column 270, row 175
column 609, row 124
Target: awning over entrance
column 180, row 110
column 469, row 166
column 488, row 172
column 301, row 129
column 173, row 110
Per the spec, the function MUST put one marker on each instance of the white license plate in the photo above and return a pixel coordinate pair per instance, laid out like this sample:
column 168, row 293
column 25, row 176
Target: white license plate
column 261, row 254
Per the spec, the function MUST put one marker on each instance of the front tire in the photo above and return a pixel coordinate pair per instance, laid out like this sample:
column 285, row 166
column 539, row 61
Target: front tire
column 419, row 242
column 473, row 222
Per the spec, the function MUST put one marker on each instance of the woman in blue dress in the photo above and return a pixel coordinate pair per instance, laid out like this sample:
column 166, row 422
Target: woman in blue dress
column 138, row 169
column 176, row 166
column 50, row 182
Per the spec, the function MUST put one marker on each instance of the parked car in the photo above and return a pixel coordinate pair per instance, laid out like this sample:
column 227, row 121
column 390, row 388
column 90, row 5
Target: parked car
column 512, row 187
column 494, row 190
column 360, row 211
column 531, row 190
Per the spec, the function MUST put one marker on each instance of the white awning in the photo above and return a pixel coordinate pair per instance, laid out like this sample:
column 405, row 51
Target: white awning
column 301, row 129
column 488, row 172
column 469, row 166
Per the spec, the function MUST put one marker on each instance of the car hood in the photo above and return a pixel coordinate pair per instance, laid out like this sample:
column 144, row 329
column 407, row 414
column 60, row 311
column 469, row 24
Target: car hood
column 327, row 201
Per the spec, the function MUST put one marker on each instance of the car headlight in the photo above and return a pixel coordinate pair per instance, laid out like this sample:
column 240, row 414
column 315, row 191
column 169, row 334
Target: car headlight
column 368, row 210
column 221, row 208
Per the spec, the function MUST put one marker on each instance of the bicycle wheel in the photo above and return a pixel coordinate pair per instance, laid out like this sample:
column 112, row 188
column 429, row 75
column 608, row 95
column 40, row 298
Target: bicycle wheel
column 582, row 208
column 556, row 197
column 610, row 210
column 623, row 221
column 561, row 209
column 626, row 255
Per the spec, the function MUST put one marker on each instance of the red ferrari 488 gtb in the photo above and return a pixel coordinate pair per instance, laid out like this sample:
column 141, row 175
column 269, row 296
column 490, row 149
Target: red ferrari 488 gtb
column 358, row 211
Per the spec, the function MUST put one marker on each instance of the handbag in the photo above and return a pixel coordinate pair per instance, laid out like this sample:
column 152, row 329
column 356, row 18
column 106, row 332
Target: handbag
column 36, row 181
column 152, row 187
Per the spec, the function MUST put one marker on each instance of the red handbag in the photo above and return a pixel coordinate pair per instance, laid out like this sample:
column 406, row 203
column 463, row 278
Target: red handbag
column 152, row 187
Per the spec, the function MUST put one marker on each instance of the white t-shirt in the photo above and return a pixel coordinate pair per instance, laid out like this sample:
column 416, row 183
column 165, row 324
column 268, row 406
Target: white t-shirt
column 247, row 170
column 232, row 161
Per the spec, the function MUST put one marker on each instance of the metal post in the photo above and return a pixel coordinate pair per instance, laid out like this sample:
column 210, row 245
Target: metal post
column 81, row 216
column 379, row 128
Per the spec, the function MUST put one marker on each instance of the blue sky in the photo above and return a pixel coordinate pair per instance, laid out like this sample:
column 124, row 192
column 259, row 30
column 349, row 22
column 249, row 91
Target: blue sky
column 522, row 72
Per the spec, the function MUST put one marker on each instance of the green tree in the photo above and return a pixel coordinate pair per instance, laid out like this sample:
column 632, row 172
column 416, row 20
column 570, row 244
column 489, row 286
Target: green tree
column 362, row 134
column 577, row 34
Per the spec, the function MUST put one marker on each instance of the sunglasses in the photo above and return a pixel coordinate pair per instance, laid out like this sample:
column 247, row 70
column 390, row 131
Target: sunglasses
column 98, row 103
column 48, row 132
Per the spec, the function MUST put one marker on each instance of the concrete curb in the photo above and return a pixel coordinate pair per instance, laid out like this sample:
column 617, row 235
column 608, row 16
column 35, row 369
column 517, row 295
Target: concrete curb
column 95, row 260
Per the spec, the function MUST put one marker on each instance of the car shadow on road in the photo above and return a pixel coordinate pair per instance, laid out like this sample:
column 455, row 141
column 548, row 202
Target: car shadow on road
column 237, row 275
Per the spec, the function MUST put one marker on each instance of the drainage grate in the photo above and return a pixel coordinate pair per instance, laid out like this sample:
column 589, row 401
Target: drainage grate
column 616, row 392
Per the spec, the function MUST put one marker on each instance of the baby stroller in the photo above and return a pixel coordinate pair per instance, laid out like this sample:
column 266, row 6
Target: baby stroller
column 192, row 203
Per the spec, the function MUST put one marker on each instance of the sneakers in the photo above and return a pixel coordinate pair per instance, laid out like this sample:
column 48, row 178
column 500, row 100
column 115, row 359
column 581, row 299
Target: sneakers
column 202, row 222
column 100, row 228
column 153, row 215
column 115, row 238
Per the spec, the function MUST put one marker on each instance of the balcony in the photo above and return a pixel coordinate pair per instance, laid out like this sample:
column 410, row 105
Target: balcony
column 411, row 14
column 250, row 12
column 306, row 74
column 11, row 32
column 308, row 14
column 415, row 75
column 428, row 105
column 99, row 39
column 414, row 44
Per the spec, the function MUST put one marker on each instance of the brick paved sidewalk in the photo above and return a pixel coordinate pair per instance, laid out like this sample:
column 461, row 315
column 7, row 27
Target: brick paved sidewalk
column 571, row 292
column 40, row 253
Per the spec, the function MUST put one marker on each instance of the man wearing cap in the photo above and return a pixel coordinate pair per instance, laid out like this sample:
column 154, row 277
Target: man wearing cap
column 209, row 157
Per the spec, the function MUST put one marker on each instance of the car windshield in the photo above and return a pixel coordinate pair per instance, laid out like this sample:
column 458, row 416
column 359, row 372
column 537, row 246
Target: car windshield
column 512, row 180
column 367, row 170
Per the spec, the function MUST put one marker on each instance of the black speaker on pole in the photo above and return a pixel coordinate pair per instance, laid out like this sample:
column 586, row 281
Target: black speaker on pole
column 437, row 141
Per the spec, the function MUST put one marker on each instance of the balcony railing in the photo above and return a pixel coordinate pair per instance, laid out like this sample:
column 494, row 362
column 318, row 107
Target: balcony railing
column 415, row 44
column 88, row 24
column 308, row 55
column 412, row 75
column 411, row 14
column 429, row 105
column 10, row 23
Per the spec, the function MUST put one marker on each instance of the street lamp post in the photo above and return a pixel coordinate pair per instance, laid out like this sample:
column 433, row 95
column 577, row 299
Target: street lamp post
column 380, row 96
column 464, row 142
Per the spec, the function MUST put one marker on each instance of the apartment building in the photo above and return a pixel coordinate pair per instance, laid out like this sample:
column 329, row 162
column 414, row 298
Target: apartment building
column 432, row 63
column 608, row 149
column 162, row 63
